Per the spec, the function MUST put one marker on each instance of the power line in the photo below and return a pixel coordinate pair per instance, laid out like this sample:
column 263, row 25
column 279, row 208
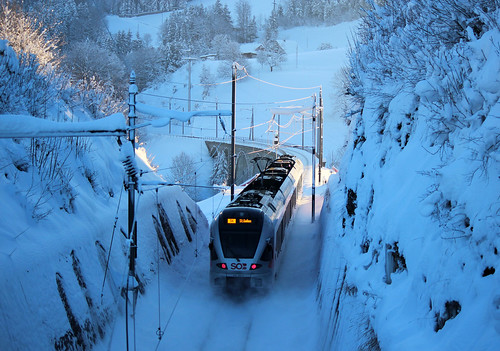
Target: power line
column 227, row 103
column 283, row 86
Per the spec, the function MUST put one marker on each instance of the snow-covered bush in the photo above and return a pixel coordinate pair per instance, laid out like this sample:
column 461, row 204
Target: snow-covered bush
column 27, row 36
column 28, row 58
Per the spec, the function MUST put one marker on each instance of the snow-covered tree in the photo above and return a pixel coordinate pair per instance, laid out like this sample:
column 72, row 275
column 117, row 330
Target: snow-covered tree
column 271, row 54
column 195, row 27
column 271, row 28
column 184, row 172
column 246, row 25
column 136, row 7
column 225, row 48
column 207, row 80
column 171, row 55
column 29, row 80
column 56, row 15
column 220, row 20
column 147, row 62
column 220, row 173
column 89, row 63
column 27, row 36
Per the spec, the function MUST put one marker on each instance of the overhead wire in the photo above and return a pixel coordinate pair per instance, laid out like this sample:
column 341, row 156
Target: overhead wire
column 283, row 86
column 226, row 103
column 111, row 243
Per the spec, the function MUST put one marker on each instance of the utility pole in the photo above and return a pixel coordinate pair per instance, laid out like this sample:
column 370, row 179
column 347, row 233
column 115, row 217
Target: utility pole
column 189, row 82
column 320, row 132
column 216, row 121
column 233, row 131
column 302, row 132
column 252, row 135
column 132, row 227
column 189, row 59
column 313, row 209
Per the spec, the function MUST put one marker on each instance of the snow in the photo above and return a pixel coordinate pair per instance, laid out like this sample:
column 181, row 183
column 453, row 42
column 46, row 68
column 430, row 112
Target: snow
column 166, row 115
column 429, row 198
column 16, row 126
column 342, row 284
column 197, row 317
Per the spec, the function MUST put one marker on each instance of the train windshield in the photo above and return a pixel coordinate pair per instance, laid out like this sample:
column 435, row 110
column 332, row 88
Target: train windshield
column 240, row 233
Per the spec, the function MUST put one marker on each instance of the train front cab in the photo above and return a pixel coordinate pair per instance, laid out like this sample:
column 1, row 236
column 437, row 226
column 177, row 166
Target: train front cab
column 241, row 249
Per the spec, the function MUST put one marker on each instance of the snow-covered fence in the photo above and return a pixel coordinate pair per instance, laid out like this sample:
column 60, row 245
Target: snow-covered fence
column 15, row 126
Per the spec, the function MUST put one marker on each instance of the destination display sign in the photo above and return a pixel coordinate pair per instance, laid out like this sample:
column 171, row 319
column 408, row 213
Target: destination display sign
column 239, row 220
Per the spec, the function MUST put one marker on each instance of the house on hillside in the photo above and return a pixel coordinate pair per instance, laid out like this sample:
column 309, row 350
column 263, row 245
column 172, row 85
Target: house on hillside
column 271, row 53
column 282, row 47
column 274, row 46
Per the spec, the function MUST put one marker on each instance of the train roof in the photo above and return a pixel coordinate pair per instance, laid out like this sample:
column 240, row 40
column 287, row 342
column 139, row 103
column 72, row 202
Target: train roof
column 267, row 183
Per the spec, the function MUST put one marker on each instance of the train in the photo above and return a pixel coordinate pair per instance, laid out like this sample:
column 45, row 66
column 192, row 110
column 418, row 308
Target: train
column 248, row 236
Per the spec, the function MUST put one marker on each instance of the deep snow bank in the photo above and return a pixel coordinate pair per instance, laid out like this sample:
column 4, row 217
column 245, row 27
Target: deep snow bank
column 412, row 228
column 56, row 239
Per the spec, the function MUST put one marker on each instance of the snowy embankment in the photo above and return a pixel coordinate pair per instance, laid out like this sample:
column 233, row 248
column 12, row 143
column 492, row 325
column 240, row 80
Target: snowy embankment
column 63, row 257
column 410, row 259
column 61, row 277
column 55, row 244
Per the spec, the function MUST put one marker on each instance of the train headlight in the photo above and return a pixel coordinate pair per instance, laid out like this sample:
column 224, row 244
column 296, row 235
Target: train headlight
column 255, row 266
column 222, row 265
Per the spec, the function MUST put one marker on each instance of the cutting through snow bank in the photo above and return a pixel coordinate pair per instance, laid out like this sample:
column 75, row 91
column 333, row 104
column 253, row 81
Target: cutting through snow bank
column 411, row 246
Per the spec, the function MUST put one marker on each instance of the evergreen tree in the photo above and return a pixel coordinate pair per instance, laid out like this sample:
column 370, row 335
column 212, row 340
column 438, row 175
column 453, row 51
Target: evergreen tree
column 220, row 172
column 252, row 30
column 271, row 28
column 220, row 19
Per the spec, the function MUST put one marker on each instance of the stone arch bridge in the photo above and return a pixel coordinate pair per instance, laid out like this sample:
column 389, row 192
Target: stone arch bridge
column 244, row 167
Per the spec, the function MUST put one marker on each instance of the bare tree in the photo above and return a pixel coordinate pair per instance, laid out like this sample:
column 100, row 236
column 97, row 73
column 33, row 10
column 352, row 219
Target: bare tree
column 183, row 172
column 271, row 54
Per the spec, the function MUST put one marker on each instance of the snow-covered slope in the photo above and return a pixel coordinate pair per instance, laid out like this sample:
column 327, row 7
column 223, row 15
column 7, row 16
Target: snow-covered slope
column 63, row 258
column 410, row 256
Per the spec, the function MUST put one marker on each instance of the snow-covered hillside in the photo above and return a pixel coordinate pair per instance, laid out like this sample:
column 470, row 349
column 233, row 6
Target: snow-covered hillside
column 55, row 244
column 63, row 257
column 406, row 251
column 413, row 230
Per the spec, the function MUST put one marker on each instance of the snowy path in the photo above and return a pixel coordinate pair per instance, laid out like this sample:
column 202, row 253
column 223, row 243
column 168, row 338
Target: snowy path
column 283, row 319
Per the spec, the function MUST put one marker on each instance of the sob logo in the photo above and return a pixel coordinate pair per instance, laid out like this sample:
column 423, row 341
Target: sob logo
column 238, row 266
